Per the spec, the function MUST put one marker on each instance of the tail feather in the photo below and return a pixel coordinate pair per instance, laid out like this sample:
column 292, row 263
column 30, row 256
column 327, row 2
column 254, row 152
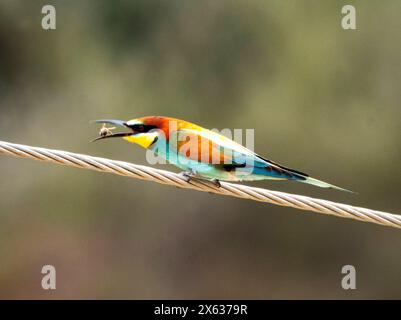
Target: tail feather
column 278, row 171
column 322, row 184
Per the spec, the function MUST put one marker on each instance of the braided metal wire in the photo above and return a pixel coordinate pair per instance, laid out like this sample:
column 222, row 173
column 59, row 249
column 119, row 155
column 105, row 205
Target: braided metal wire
column 229, row 189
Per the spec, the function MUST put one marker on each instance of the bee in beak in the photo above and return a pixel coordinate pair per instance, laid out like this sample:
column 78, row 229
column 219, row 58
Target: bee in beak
column 106, row 132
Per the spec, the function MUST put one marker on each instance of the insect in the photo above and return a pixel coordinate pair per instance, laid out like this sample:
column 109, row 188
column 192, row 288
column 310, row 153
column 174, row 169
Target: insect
column 105, row 131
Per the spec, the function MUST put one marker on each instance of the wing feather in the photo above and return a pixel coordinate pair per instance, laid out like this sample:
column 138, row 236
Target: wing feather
column 210, row 147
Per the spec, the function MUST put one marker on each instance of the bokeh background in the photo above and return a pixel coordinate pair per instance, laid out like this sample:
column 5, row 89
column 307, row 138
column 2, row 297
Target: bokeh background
column 321, row 99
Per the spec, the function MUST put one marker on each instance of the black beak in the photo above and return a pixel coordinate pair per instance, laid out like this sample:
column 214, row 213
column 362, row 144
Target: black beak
column 120, row 123
column 112, row 135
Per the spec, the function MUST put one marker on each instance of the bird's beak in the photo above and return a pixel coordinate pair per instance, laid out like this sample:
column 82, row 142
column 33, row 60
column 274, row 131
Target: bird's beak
column 113, row 135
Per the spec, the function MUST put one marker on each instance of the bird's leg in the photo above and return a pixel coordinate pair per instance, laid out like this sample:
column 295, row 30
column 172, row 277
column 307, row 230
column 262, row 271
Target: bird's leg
column 188, row 175
column 191, row 173
column 216, row 182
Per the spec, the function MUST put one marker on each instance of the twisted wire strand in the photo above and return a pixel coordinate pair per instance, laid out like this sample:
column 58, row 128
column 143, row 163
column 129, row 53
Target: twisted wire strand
column 229, row 189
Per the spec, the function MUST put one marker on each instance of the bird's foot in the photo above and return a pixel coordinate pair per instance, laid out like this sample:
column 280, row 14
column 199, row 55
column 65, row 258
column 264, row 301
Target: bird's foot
column 216, row 182
column 188, row 175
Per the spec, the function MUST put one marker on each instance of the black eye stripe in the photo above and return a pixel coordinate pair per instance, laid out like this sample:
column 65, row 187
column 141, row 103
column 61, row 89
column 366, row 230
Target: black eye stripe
column 141, row 127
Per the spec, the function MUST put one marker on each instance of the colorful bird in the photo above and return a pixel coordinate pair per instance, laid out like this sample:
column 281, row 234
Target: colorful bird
column 201, row 152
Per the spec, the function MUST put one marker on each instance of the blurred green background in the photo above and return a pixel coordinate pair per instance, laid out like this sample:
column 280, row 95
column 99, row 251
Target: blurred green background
column 321, row 100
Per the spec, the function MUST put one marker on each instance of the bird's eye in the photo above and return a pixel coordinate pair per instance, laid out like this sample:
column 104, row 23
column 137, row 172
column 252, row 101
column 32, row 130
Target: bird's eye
column 142, row 127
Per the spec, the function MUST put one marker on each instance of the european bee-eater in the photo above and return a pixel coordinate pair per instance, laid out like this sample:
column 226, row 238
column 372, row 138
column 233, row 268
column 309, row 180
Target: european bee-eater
column 201, row 152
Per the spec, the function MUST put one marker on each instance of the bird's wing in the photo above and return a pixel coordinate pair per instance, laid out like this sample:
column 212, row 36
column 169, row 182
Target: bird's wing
column 211, row 147
column 207, row 146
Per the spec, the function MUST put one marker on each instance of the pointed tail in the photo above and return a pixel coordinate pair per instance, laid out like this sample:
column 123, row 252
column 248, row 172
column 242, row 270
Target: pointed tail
column 273, row 169
column 322, row 184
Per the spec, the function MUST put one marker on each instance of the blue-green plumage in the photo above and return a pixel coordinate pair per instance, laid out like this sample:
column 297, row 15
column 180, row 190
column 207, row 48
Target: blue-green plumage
column 241, row 168
column 235, row 162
